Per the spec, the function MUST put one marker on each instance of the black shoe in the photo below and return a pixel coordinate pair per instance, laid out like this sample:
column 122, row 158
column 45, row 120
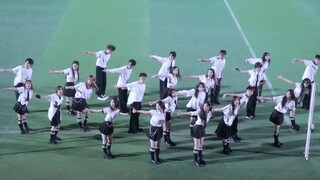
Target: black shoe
column 236, row 138
column 277, row 144
column 132, row 132
column 198, row 164
column 295, row 127
column 202, row 162
column 140, row 129
column 216, row 102
column 53, row 141
column 58, row 139
column 24, row 132
column 108, row 156
column 82, row 129
column 225, row 151
column 154, row 161
column 170, row 143
column 229, row 149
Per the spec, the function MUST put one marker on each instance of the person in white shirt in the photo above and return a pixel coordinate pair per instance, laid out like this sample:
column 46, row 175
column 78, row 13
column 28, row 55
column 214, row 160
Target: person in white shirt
column 203, row 116
column 198, row 97
column 155, row 130
column 167, row 64
column 106, row 128
column 284, row 103
column 218, row 64
column 124, row 74
column 311, row 67
column 54, row 113
column 209, row 80
column 265, row 60
column 22, row 72
column 256, row 75
column 72, row 76
column 244, row 98
column 230, row 112
column 172, row 79
column 170, row 103
column 103, row 58
column 137, row 89
column 25, row 94
column 83, row 93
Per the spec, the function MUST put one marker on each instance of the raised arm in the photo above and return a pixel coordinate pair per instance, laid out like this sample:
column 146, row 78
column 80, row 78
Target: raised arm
column 285, row 80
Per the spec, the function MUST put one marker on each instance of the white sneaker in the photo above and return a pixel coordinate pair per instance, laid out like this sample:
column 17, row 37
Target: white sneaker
column 124, row 114
column 312, row 128
column 102, row 98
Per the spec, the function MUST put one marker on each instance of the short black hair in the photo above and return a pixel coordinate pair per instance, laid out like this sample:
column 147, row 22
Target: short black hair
column 29, row 60
column 111, row 47
column 133, row 62
column 143, row 74
column 250, row 88
column 222, row 51
column 173, row 53
column 257, row 65
column 58, row 87
column 317, row 56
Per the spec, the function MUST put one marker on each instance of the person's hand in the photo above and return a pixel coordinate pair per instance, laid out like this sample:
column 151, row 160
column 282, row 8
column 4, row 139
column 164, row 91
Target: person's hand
column 134, row 110
column 237, row 69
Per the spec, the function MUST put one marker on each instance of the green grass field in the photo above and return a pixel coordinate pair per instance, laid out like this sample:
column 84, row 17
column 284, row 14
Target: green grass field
column 54, row 33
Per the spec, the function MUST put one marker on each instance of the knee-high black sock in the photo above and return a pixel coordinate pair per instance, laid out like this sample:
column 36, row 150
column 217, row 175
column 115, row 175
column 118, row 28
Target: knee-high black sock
column 195, row 155
column 20, row 125
column 152, row 150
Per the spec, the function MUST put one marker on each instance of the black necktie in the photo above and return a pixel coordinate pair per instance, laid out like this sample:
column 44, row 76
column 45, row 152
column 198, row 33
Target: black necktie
column 257, row 80
column 28, row 96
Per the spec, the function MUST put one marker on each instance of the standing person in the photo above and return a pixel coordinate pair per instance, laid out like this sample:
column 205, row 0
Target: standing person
column 284, row 103
column 83, row 93
column 22, row 72
column 244, row 98
column 223, row 130
column 72, row 76
column 137, row 89
column 218, row 64
column 209, row 80
column 106, row 128
column 25, row 94
column 172, row 79
column 54, row 113
column 155, row 130
column 254, row 81
column 311, row 67
column 265, row 60
column 203, row 116
column 124, row 74
column 170, row 103
column 167, row 64
column 103, row 58
column 198, row 97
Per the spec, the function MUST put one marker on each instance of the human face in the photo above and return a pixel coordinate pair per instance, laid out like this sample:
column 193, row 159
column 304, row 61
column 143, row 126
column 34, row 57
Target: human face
column 112, row 104
column 89, row 81
column 288, row 95
column 206, row 107
column 27, row 65
column 174, row 93
column 267, row 57
column 210, row 73
column 201, row 88
column 28, row 85
column 171, row 57
column 306, row 84
column 176, row 71
column 158, row 108
column 258, row 70
column 60, row 91
column 75, row 67
column 142, row 79
column 249, row 92
column 129, row 66
column 109, row 51
column 236, row 102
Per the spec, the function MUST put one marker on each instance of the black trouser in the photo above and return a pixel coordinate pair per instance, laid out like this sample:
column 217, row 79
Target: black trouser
column 101, row 81
column 252, row 103
column 134, row 117
column 214, row 95
column 16, row 92
column 163, row 88
column 123, row 99
column 234, row 126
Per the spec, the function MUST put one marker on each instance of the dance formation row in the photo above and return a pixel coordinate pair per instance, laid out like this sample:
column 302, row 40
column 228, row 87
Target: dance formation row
column 199, row 108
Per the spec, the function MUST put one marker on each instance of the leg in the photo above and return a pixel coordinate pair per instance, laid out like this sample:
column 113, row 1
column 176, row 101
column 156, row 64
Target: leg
column 109, row 142
column 163, row 87
column 79, row 117
column 152, row 152
column 99, row 80
column 103, row 83
column 196, row 149
column 104, row 145
column 276, row 142
column 217, row 91
column 234, row 130
column 123, row 99
column 20, row 124
column 251, row 105
column 52, row 135
column 85, row 121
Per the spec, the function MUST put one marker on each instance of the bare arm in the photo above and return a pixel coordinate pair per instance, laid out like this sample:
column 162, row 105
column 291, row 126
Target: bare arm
column 265, row 98
column 232, row 94
column 9, row 89
column 140, row 111
column 217, row 110
column 285, row 80
column 179, row 113
column 204, row 60
column 5, row 70
column 297, row 60
column 90, row 52
column 240, row 70
column 95, row 110
column 56, row 72
column 192, row 76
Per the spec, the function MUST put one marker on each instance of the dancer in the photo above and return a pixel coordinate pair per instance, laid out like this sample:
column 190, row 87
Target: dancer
column 198, row 97
column 209, row 81
column 254, row 81
column 83, row 93
column 106, row 128
column 244, row 98
column 124, row 74
column 311, row 67
column 54, row 113
column 137, row 89
column 172, row 79
column 167, row 64
column 170, row 103
column 155, row 130
column 72, row 76
column 203, row 116
column 21, row 107
column 223, row 130
column 218, row 64
column 265, row 61
column 284, row 103
column 103, row 58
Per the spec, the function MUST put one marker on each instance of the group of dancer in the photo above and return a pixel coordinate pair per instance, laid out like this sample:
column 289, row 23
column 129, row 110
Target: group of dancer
column 199, row 108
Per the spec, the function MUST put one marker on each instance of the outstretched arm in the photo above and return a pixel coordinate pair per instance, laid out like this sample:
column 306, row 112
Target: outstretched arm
column 140, row 111
column 179, row 113
column 298, row 60
column 240, row 70
column 204, row 60
column 56, row 72
column 9, row 89
column 232, row 94
column 96, row 110
column 285, row 80
column 192, row 76
column 90, row 52
column 5, row 70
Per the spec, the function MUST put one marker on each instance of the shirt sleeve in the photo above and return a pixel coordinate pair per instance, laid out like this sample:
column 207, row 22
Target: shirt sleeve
column 98, row 54
column 117, row 70
column 66, row 71
column 130, row 86
column 16, row 69
column 159, row 58
column 252, row 60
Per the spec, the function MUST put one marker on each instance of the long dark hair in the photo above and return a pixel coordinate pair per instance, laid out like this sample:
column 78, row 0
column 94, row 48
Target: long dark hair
column 173, row 68
column 203, row 114
column 197, row 88
column 285, row 99
column 264, row 58
column 162, row 105
column 306, row 80
column 233, row 105
column 214, row 74
column 73, row 73
column 116, row 102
